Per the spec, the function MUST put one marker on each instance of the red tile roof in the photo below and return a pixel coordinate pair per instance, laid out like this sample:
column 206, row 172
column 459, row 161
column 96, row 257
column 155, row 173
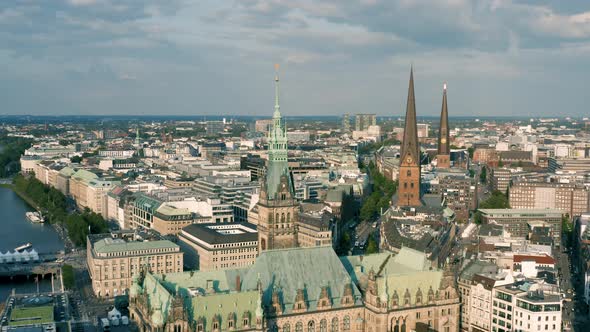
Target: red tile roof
column 538, row 259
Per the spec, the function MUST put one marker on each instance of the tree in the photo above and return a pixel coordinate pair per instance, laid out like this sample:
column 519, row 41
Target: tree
column 76, row 159
column 372, row 246
column 500, row 163
column 483, row 174
column 470, row 150
column 67, row 272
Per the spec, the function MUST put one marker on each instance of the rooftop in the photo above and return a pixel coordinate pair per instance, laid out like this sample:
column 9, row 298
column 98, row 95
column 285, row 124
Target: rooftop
column 110, row 245
column 222, row 233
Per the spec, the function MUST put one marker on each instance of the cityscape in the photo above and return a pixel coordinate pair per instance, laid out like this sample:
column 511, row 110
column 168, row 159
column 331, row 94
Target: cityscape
column 328, row 219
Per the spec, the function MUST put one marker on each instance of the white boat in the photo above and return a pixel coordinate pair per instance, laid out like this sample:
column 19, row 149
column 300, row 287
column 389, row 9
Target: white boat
column 23, row 247
column 35, row 217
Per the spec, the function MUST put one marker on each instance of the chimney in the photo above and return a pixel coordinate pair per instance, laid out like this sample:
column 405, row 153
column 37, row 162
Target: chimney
column 238, row 284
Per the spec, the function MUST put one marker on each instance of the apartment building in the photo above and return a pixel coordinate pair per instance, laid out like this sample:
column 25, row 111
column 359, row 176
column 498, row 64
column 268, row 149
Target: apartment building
column 115, row 258
column 219, row 246
column 570, row 197
column 526, row 306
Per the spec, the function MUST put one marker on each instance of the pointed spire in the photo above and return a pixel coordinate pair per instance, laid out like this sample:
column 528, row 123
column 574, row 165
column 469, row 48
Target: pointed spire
column 277, row 113
column 410, row 142
column 443, row 133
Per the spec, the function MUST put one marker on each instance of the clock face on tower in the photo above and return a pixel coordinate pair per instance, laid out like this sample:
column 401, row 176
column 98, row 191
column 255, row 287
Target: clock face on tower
column 409, row 160
column 443, row 140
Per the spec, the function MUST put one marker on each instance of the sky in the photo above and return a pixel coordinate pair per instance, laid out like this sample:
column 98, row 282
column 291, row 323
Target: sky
column 211, row 57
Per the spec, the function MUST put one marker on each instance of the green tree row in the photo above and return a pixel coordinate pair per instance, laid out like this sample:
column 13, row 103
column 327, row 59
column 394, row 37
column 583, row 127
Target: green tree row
column 53, row 205
column 383, row 190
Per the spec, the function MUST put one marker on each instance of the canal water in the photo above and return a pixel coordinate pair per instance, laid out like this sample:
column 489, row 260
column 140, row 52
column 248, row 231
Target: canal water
column 16, row 230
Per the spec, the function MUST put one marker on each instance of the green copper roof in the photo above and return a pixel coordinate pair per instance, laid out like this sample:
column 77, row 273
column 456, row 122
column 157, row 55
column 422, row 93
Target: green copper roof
column 309, row 269
column 222, row 305
column 277, row 152
column 84, row 175
column 67, row 171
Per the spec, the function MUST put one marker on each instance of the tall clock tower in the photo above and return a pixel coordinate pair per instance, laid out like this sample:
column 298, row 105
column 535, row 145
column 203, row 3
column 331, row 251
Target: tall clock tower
column 443, row 158
column 277, row 206
column 409, row 170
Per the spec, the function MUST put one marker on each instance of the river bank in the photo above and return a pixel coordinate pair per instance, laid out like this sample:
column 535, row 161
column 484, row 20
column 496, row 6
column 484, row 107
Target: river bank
column 58, row 227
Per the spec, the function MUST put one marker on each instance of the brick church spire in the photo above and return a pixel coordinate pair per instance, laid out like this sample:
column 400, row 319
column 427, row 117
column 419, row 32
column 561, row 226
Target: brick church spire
column 443, row 155
column 409, row 174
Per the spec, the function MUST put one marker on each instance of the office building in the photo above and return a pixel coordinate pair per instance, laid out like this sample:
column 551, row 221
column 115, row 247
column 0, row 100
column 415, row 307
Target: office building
column 571, row 198
column 219, row 246
column 114, row 259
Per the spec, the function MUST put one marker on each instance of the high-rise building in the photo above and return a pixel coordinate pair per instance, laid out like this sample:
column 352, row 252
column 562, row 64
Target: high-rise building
column 214, row 127
column 277, row 206
column 346, row 123
column 409, row 171
column 443, row 154
column 364, row 121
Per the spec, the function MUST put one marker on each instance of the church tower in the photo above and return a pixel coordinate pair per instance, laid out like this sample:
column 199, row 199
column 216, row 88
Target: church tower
column 443, row 158
column 277, row 207
column 409, row 170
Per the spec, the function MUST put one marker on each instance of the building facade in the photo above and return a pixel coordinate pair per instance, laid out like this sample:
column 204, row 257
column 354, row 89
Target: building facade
column 571, row 198
column 220, row 246
column 302, row 289
column 114, row 259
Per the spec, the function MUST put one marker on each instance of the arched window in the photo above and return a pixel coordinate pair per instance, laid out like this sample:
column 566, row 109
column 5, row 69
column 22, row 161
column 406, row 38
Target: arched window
column 288, row 216
column 323, row 325
column 346, row 323
column 286, row 327
column 311, row 326
column 409, row 173
column 334, row 324
column 405, row 185
column 283, row 217
column 403, row 329
column 299, row 327
column 277, row 217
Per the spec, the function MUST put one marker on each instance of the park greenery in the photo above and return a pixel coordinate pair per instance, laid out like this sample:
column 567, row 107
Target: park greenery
column 53, row 204
column 11, row 149
column 497, row 200
column 67, row 272
column 379, row 199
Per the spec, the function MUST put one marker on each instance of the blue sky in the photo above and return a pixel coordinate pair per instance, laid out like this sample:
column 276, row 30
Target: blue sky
column 205, row 57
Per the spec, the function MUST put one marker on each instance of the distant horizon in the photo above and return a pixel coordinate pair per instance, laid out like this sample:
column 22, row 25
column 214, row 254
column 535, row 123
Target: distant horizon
column 258, row 117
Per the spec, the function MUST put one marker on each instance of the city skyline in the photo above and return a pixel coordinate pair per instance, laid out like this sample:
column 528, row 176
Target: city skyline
column 91, row 57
